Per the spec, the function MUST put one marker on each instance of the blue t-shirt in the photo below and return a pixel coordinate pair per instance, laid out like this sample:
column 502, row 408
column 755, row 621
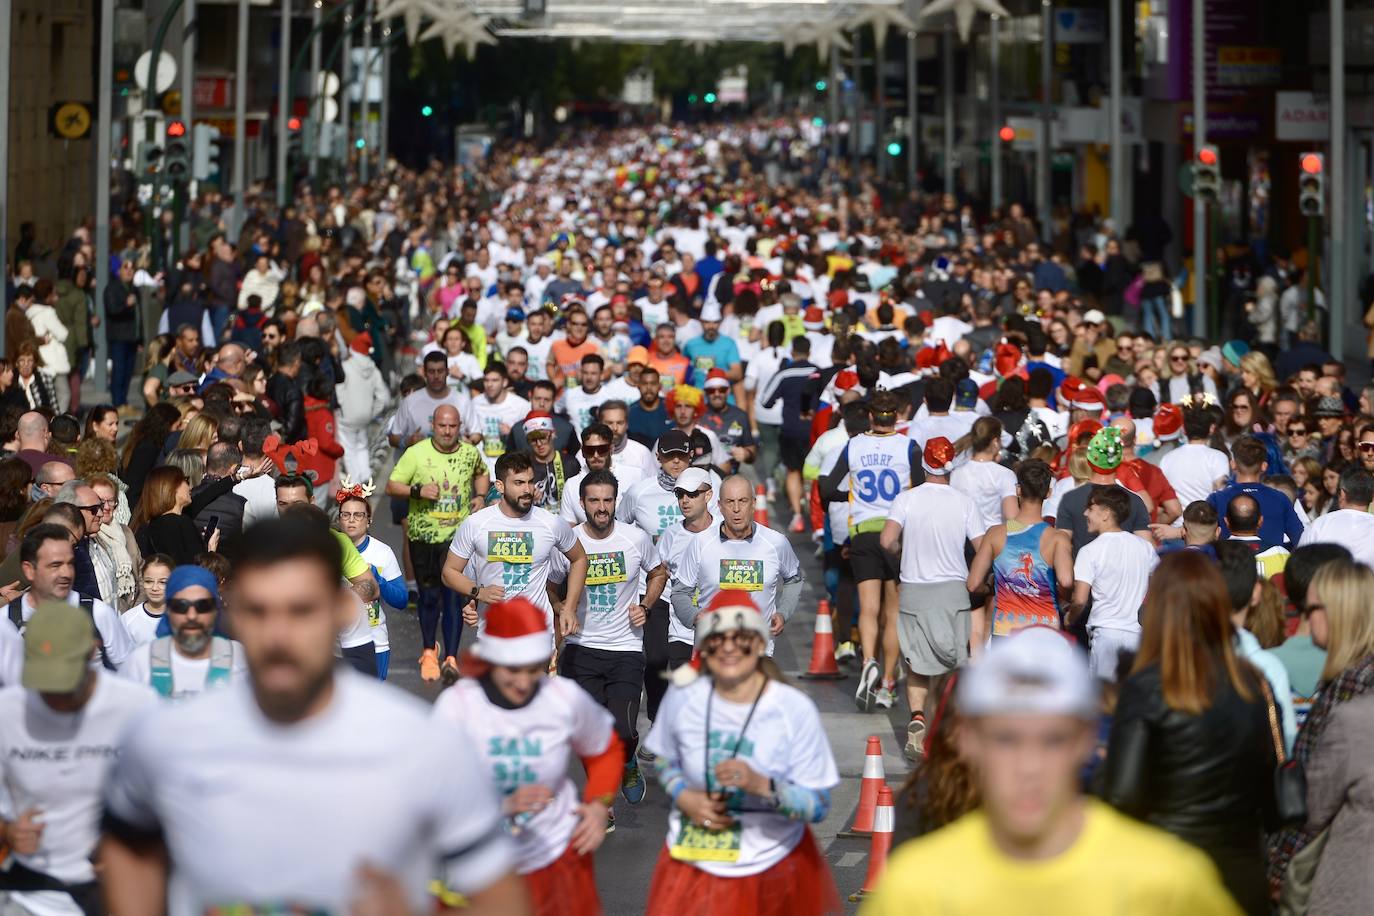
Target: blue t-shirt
column 1278, row 519
column 704, row 355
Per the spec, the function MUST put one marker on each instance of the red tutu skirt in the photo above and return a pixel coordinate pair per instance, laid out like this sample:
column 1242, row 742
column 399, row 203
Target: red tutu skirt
column 799, row 885
column 565, row 887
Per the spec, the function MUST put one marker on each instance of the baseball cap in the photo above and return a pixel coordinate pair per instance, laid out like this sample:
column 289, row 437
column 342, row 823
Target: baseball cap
column 637, row 355
column 1329, row 406
column 57, row 647
column 692, row 480
column 1034, row 671
column 1094, row 316
column 515, row 314
column 716, row 378
column 966, row 394
column 674, row 442
column 179, row 378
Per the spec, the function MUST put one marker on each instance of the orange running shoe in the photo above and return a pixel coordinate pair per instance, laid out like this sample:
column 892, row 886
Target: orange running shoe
column 429, row 665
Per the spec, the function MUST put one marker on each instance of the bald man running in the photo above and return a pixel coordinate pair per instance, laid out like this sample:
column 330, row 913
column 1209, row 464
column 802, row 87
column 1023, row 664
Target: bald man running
column 445, row 479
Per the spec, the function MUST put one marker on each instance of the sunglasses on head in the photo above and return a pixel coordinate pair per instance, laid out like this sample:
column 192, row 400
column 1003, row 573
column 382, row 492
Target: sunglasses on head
column 185, row 605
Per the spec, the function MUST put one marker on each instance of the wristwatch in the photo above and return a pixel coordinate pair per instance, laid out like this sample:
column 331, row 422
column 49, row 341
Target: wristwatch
column 476, row 590
column 415, row 491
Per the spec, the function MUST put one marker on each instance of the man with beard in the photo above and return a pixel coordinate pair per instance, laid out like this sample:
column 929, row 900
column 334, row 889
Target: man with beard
column 507, row 549
column 48, row 563
column 193, row 659
column 598, row 455
column 493, row 414
column 414, row 419
column 302, row 733
column 729, row 423
column 604, row 646
column 627, row 451
column 552, row 468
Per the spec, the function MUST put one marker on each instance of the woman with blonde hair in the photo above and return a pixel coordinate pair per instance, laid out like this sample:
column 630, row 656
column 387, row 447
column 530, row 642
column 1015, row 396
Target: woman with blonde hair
column 1191, row 750
column 157, row 366
column 1334, row 749
column 1257, row 376
column 1184, row 376
column 201, row 432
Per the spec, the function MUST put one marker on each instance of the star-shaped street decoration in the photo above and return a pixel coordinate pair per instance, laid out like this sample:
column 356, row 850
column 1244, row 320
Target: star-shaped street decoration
column 414, row 12
column 964, row 11
column 822, row 34
column 469, row 31
column 881, row 17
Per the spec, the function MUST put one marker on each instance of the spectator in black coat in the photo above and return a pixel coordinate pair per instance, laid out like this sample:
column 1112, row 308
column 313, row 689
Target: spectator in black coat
column 284, row 389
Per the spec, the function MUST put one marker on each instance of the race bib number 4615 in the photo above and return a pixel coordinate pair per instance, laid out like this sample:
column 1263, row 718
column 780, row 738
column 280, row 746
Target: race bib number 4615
column 741, row 575
column 510, row 546
column 606, row 568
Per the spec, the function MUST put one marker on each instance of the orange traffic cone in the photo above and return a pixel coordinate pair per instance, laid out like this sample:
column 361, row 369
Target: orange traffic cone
column 874, row 780
column 881, row 845
column 823, row 665
column 760, row 506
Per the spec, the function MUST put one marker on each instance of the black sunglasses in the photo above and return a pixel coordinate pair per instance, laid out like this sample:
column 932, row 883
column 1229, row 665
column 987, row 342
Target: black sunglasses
column 94, row 510
column 185, row 605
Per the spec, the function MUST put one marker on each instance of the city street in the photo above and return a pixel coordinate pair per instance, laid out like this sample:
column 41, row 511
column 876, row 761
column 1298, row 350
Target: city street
column 625, row 864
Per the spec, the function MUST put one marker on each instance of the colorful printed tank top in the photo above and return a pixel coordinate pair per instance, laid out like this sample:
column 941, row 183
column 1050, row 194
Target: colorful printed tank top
column 1027, row 594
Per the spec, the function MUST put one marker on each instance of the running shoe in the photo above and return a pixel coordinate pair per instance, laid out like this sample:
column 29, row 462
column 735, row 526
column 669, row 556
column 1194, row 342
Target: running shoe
column 846, row 651
column 915, row 738
column 884, row 697
column 798, row 525
column 449, row 670
column 772, row 489
column 610, row 820
column 646, row 755
column 429, row 665
column 868, row 680
column 632, row 786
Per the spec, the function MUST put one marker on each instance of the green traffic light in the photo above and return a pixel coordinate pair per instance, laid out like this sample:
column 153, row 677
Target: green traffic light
column 818, row 121
column 692, row 99
column 360, row 143
column 820, row 85
column 894, row 148
column 427, row 110
column 710, row 98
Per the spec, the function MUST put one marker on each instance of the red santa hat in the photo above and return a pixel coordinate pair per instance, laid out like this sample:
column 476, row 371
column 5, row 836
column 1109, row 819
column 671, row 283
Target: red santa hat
column 517, row 634
column 938, row 456
column 1006, row 358
column 716, row 378
column 362, row 343
column 728, row 611
column 813, row 319
column 1168, row 422
column 846, row 379
column 538, row 421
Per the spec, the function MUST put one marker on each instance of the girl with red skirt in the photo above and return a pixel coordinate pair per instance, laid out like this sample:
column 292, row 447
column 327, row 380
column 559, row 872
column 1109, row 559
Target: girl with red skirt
column 746, row 762
column 527, row 725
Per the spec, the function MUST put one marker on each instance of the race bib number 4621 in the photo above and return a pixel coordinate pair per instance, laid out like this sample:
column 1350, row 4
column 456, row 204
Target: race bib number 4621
column 741, row 575
column 510, row 546
column 606, row 568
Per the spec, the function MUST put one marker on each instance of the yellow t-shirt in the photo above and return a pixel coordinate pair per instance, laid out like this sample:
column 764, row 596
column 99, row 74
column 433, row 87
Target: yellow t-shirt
column 1118, row 866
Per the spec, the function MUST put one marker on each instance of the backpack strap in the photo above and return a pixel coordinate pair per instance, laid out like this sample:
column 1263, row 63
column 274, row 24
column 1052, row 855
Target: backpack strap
column 221, row 662
column 160, row 665
column 17, row 613
column 88, row 605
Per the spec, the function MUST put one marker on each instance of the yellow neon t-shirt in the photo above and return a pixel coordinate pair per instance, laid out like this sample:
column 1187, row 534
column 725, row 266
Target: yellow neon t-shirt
column 1116, row 866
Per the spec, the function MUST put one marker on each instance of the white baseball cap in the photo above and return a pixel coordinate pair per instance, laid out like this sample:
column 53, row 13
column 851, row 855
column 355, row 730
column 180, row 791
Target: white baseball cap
column 710, row 312
column 1094, row 316
column 692, row 480
column 1036, row 671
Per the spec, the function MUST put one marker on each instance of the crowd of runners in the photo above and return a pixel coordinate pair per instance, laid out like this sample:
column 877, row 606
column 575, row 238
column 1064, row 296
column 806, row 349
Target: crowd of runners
column 1114, row 579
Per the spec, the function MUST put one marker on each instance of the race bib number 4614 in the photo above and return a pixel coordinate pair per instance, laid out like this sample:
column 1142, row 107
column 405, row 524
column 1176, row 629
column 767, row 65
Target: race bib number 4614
column 741, row 575
column 510, row 546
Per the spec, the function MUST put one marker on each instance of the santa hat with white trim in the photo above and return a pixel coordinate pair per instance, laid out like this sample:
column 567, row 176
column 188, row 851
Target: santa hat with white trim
column 938, row 456
column 730, row 610
column 516, row 635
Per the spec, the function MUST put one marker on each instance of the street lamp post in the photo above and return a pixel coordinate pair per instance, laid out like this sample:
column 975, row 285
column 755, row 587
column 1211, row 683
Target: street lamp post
column 1200, row 253
column 948, row 79
column 995, row 111
column 240, row 122
column 284, row 97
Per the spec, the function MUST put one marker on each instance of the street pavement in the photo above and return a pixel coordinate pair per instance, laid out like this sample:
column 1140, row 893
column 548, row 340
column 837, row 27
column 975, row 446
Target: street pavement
column 625, row 864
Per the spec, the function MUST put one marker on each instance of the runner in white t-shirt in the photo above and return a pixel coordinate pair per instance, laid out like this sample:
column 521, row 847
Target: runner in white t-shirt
column 603, row 647
column 596, row 455
column 142, row 619
column 526, row 727
column 745, row 760
column 504, row 550
column 60, row 731
column 238, row 799
column 193, row 659
column 492, row 414
column 581, row 403
column 355, row 520
column 743, row 557
column 933, row 522
column 1114, row 570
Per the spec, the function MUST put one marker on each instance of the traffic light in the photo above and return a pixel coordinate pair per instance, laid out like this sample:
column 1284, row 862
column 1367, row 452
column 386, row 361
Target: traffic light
column 820, row 85
column 1207, row 173
column 176, row 159
column 426, row 111
column 710, row 98
column 894, row 148
column 204, row 151
column 1312, row 184
column 1006, row 133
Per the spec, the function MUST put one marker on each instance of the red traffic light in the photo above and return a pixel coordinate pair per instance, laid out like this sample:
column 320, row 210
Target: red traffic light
column 1207, row 156
column 176, row 128
column 293, row 123
column 1311, row 163
column 1007, row 133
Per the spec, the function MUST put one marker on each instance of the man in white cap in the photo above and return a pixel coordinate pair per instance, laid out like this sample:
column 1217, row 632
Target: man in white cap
column 739, row 556
column 728, row 422
column 712, row 351
column 932, row 522
column 1029, row 714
